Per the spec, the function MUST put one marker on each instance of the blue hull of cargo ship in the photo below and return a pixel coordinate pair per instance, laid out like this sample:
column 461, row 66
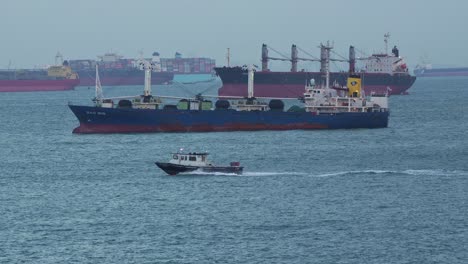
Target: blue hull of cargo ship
column 129, row 120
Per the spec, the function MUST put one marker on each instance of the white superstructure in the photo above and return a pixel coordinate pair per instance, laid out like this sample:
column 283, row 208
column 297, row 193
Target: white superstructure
column 384, row 62
column 190, row 159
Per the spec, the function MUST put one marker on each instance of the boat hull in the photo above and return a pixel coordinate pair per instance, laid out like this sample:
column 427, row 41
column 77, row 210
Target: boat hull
column 291, row 84
column 129, row 120
column 174, row 169
column 37, row 85
column 442, row 72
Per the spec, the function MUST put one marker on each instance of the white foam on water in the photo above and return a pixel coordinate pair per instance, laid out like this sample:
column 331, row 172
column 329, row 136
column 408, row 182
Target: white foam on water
column 246, row 173
column 404, row 172
column 341, row 173
column 265, row 173
column 436, row 172
column 197, row 172
column 334, row 174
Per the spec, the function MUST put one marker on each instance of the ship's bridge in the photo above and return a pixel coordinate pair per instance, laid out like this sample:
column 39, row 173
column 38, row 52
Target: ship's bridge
column 383, row 63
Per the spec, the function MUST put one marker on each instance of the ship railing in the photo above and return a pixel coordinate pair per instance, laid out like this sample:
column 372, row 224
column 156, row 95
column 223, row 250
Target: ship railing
column 337, row 108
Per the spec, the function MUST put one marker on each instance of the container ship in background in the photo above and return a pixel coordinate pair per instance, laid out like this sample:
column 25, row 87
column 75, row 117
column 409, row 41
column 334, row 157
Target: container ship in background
column 116, row 71
column 383, row 74
column 428, row 71
column 54, row 78
column 189, row 70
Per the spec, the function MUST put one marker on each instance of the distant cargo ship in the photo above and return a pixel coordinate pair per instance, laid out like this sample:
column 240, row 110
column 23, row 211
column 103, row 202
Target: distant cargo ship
column 115, row 70
column 55, row 78
column 428, row 71
column 383, row 74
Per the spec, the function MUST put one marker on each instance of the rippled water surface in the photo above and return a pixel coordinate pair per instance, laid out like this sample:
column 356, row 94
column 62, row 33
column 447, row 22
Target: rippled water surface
column 393, row 195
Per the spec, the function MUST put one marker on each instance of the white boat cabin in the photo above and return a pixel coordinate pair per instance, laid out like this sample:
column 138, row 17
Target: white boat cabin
column 190, row 159
column 323, row 100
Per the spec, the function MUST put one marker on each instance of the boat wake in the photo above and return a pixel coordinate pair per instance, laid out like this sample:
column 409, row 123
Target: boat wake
column 261, row 174
column 245, row 173
column 199, row 172
column 402, row 172
column 447, row 173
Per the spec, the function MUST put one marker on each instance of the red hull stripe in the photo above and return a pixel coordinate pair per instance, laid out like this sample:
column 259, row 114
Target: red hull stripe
column 87, row 128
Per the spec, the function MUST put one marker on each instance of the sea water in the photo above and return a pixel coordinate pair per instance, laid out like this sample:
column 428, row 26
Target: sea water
column 391, row 195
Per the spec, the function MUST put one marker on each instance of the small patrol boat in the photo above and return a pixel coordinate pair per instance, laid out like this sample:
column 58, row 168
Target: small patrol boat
column 192, row 161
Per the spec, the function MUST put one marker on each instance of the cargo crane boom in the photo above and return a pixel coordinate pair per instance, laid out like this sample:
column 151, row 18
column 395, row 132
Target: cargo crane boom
column 295, row 58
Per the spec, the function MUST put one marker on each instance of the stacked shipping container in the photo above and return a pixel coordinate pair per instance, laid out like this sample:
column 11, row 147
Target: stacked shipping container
column 176, row 65
column 188, row 65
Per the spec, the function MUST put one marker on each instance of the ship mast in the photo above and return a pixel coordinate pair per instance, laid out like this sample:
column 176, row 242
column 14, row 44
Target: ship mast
column 99, row 94
column 294, row 58
column 58, row 59
column 386, row 37
column 228, row 57
column 250, row 82
column 147, row 90
column 148, row 67
column 264, row 57
column 352, row 60
column 325, row 62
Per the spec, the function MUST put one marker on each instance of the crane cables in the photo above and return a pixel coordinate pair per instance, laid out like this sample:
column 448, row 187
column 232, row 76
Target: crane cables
column 308, row 54
column 279, row 53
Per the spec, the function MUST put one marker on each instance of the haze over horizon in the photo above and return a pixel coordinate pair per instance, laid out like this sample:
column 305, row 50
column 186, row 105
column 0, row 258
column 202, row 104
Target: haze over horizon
column 34, row 31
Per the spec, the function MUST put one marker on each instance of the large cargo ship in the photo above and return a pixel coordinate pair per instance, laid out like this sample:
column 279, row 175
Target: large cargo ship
column 55, row 78
column 429, row 71
column 116, row 70
column 382, row 74
column 323, row 108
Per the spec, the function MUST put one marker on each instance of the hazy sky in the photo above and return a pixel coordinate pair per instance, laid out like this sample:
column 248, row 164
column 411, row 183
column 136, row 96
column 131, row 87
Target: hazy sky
column 33, row 31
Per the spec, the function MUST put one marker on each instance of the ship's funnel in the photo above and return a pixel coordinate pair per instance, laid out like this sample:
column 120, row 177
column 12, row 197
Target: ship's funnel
column 395, row 51
column 354, row 86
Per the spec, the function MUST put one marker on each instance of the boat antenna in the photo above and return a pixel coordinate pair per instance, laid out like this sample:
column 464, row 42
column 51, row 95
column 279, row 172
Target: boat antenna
column 99, row 94
column 386, row 37
column 228, row 57
column 250, row 82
